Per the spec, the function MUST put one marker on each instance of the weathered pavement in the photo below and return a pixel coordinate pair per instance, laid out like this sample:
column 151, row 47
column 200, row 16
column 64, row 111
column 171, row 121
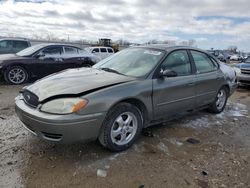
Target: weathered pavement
column 218, row 155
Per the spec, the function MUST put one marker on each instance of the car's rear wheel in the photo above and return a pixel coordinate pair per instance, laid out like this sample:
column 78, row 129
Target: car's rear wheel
column 121, row 127
column 220, row 101
column 15, row 75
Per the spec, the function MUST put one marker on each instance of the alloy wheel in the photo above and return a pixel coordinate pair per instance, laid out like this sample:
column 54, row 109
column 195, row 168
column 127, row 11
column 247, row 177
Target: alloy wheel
column 124, row 128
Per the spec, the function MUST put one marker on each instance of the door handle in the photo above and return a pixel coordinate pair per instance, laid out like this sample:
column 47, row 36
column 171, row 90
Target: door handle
column 59, row 59
column 191, row 84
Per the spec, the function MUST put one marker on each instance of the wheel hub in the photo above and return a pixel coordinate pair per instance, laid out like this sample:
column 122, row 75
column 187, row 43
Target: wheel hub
column 124, row 128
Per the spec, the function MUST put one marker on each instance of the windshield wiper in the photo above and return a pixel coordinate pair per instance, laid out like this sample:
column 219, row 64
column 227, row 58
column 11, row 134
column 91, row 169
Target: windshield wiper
column 111, row 70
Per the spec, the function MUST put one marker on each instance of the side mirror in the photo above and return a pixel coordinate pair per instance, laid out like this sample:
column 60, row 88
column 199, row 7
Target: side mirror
column 40, row 54
column 168, row 73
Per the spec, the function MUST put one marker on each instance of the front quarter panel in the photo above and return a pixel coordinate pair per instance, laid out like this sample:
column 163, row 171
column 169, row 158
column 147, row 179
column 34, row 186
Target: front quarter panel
column 103, row 100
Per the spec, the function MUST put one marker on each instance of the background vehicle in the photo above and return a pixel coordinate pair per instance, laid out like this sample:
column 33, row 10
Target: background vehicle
column 221, row 57
column 10, row 46
column 107, row 43
column 243, row 72
column 116, row 98
column 41, row 60
column 235, row 57
column 102, row 52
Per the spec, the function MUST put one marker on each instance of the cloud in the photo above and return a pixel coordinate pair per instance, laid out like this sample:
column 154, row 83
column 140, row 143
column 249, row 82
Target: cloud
column 137, row 20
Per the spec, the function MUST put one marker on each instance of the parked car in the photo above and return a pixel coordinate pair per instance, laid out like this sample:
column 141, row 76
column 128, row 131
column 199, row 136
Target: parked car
column 10, row 46
column 41, row 60
column 235, row 57
column 102, row 52
column 221, row 57
column 243, row 72
column 133, row 89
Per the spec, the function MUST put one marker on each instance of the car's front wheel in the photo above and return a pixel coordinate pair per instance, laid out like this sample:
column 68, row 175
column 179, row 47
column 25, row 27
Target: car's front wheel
column 121, row 127
column 15, row 75
column 220, row 102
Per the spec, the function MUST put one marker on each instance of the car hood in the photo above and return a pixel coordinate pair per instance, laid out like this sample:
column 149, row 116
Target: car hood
column 75, row 82
column 4, row 57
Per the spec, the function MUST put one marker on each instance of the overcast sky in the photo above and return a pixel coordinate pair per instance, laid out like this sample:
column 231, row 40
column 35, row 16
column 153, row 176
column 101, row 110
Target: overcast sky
column 211, row 23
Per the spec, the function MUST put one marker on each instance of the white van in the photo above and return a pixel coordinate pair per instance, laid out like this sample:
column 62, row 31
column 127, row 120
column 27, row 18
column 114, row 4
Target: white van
column 100, row 51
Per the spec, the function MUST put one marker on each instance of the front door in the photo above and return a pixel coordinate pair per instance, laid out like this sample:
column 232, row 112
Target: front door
column 173, row 95
column 52, row 59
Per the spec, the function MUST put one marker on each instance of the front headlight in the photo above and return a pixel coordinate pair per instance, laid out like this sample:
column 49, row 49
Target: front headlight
column 237, row 70
column 64, row 105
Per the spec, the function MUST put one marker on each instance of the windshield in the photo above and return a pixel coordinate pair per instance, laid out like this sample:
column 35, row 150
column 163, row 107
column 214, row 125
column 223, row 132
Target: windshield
column 30, row 50
column 247, row 60
column 136, row 62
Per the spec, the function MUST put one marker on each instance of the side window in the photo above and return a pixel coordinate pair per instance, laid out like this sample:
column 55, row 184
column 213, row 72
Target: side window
column 178, row 61
column 20, row 44
column 110, row 50
column 5, row 44
column 103, row 50
column 215, row 63
column 95, row 50
column 51, row 51
column 247, row 59
column 202, row 62
column 70, row 50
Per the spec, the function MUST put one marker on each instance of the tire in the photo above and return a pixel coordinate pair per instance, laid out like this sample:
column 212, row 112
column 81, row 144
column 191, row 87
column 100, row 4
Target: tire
column 117, row 134
column 220, row 101
column 15, row 75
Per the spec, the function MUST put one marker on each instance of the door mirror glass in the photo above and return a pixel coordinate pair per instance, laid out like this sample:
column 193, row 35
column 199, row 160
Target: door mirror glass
column 168, row 73
column 40, row 54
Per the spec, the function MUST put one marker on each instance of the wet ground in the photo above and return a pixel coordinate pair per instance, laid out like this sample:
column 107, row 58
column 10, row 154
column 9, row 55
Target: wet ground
column 217, row 155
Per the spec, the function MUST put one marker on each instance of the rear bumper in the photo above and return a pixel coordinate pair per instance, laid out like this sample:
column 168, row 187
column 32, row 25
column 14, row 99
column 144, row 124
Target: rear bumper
column 59, row 128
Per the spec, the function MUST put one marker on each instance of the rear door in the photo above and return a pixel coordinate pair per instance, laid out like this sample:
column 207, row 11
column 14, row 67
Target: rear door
column 208, row 77
column 51, row 61
column 6, row 47
column 173, row 95
column 72, row 58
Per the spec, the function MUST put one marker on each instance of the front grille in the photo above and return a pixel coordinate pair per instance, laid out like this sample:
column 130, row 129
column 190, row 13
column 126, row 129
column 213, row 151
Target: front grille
column 30, row 98
column 244, row 82
column 245, row 71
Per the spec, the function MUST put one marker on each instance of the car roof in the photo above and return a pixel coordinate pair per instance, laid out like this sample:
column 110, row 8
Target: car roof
column 91, row 47
column 55, row 44
column 169, row 47
column 16, row 39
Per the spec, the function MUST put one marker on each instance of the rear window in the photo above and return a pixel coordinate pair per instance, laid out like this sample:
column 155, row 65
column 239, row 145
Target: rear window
column 103, row 50
column 110, row 50
column 20, row 44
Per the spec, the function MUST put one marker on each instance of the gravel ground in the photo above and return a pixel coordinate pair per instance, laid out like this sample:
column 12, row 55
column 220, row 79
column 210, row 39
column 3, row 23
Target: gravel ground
column 198, row 150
